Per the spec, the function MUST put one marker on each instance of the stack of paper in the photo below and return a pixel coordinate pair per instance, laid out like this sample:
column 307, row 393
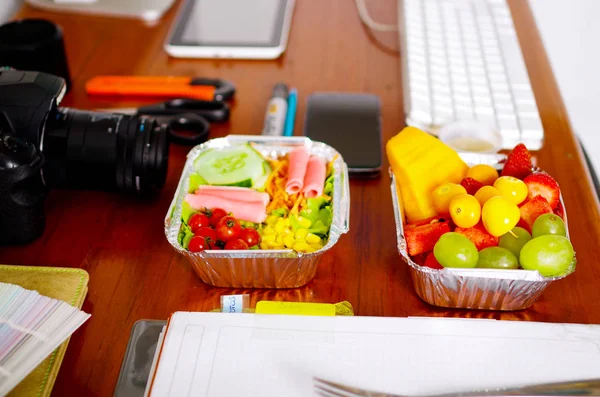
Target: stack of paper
column 223, row 355
column 31, row 327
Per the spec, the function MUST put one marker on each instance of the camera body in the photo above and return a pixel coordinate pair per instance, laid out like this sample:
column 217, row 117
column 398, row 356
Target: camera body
column 21, row 191
column 26, row 100
column 68, row 148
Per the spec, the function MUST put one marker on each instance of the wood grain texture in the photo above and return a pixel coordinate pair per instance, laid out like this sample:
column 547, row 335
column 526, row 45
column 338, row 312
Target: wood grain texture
column 135, row 274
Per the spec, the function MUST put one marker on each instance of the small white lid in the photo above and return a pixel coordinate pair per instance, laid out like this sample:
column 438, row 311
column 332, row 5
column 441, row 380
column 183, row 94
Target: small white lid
column 471, row 136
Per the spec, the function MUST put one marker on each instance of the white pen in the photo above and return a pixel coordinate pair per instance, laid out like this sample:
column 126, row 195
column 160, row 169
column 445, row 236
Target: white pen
column 276, row 111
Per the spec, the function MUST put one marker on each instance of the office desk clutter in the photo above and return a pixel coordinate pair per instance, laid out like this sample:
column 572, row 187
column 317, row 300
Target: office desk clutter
column 481, row 231
column 292, row 191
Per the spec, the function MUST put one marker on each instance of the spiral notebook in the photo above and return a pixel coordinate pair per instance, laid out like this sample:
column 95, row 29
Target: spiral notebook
column 36, row 285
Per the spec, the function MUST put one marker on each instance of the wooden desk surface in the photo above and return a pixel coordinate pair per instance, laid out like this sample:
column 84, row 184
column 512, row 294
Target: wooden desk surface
column 135, row 274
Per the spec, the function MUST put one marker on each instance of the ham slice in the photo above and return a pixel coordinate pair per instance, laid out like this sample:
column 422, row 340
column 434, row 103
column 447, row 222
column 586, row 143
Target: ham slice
column 234, row 193
column 251, row 211
column 298, row 159
column 315, row 177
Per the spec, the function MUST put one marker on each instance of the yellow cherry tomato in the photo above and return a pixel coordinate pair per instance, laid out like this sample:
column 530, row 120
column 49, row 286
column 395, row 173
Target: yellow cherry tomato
column 483, row 173
column 465, row 211
column 499, row 215
column 443, row 194
column 486, row 193
column 514, row 189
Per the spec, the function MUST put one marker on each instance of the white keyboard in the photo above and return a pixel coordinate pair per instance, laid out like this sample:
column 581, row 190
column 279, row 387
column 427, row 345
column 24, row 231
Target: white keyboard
column 463, row 61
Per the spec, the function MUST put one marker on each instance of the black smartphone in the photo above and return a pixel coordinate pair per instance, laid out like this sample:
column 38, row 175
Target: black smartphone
column 351, row 124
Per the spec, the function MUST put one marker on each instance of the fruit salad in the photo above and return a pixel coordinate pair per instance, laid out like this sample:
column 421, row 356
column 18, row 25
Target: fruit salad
column 461, row 216
column 239, row 199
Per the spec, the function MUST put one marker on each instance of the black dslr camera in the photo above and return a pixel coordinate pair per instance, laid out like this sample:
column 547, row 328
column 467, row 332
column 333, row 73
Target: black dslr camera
column 44, row 146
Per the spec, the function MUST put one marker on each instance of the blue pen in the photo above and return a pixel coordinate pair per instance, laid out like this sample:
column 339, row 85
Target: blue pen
column 290, row 117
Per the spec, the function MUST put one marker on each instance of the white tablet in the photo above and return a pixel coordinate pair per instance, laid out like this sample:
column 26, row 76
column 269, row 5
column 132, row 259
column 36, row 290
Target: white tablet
column 251, row 29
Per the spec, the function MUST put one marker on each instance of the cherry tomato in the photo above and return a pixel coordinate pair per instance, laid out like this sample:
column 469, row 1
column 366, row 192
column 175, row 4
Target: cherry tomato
column 228, row 228
column 250, row 236
column 465, row 211
column 236, row 244
column 198, row 244
column 207, row 233
column 215, row 216
column 197, row 221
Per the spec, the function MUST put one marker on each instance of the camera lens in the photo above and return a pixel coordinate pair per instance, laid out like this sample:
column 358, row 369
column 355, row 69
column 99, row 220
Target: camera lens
column 104, row 151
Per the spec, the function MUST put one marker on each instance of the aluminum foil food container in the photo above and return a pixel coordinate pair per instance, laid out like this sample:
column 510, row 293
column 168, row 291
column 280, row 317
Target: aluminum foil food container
column 487, row 289
column 261, row 268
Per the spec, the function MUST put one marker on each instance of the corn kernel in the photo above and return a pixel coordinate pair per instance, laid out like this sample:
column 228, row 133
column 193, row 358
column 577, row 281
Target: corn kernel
column 301, row 234
column 316, row 247
column 279, row 227
column 312, row 238
column 268, row 230
column 289, row 241
column 279, row 247
column 272, row 244
column 287, row 232
column 264, row 245
column 268, row 238
column 287, row 222
column 305, row 223
column 271, row 220
column 280, row 220
column 301, row 246
column 279, row 239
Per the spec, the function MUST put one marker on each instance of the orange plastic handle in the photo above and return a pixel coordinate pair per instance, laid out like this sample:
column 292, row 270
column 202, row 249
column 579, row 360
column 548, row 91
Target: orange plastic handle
column 149, row 86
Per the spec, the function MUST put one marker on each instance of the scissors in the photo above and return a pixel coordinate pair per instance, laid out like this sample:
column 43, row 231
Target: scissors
column 183, row 115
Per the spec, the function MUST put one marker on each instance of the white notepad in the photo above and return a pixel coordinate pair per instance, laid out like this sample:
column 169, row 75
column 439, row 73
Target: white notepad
column 218, row 354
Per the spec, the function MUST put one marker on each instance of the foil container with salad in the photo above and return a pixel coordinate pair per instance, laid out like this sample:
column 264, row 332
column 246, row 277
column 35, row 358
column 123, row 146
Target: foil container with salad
column 478, row 231
column 259, row 211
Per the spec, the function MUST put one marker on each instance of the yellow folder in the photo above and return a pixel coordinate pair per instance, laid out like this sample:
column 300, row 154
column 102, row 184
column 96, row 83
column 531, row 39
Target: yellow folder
column 69, row 285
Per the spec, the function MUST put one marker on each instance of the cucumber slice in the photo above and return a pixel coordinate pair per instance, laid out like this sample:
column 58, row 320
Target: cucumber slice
column 259, row 183
column 231, row 166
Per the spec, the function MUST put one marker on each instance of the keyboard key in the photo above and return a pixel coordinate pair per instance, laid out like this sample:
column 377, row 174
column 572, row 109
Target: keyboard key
column 514, row 60
column 484, row 111
column 420, row 114
column 509, row 129
column 527, row 111
column 532, row 127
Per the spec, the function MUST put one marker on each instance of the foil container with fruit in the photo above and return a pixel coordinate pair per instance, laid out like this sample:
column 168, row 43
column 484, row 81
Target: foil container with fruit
column 477, row 287
column 283, row 268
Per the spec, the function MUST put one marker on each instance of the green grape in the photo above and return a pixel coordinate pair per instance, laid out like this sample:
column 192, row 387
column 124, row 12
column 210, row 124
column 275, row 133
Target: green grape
column 497, row 258
column 455, row 250
column 513, row 244
column 548, row 224
column 550, row 255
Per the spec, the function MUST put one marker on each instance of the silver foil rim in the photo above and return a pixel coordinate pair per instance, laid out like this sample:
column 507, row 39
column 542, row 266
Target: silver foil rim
column 489, row 289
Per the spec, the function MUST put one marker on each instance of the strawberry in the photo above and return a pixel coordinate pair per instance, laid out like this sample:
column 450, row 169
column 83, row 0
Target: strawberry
column 544, row 185
column 532, row 209
column 471, row 185
column 432, row 262
column 479, row 236
column 560, row 211
column 422, row 238
column 433, row 219
column 518, row 163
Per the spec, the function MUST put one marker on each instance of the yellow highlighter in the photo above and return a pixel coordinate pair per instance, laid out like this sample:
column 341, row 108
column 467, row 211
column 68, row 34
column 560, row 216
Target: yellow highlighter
column 295, row 308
